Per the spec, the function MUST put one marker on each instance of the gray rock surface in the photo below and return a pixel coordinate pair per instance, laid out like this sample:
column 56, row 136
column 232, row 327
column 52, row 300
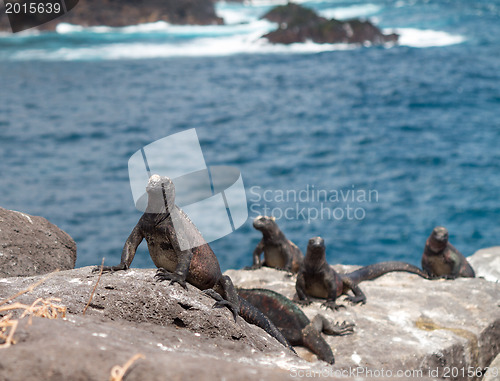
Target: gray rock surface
column 86, row 348
column 493, row 372
column 177, row 330
column 486, row 263
column 408, row 323
column 31, row 245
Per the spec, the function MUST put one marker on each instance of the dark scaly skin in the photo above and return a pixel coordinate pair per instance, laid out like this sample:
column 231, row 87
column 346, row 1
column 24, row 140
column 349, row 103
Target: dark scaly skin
column 279, row 252
column 442, row 260
column 197, row 265
column 318, row 279
column 254, row 316
column 294, row 324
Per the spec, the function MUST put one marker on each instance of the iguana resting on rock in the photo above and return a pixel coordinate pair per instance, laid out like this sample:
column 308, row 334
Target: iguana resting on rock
column 197, row 265
column 279, row 252
column 294, row 324
column 442, row 260
column 318, row 279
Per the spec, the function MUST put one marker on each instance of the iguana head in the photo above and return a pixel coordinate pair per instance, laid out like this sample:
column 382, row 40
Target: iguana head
column 264, row 223
column 316, row 248
column 161, row 194
column 438, row 239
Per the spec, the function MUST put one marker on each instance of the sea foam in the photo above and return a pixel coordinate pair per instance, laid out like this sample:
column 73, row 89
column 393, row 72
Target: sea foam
column 418, row 38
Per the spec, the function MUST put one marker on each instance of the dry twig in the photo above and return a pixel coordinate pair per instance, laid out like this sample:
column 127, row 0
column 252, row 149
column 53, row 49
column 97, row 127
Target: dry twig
column 5, row 323
column 95, row 287
column 118, row 372
column 41, row 308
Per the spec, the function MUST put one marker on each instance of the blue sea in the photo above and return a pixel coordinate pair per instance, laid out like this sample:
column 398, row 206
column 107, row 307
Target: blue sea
column 402, row 137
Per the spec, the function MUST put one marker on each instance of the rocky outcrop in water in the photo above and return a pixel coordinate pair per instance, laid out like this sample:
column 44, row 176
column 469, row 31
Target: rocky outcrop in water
column 300, row 24
column 31, row 245
column 118, row 13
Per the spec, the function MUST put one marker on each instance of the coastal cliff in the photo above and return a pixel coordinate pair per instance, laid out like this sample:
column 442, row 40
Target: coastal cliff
column 118, row 13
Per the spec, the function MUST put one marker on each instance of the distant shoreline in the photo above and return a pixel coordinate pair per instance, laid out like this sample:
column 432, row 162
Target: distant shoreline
column 126, row 12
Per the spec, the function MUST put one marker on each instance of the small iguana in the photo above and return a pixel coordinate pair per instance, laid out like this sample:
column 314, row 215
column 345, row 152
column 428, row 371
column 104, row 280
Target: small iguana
column 279, row 252
column 196, row 265
column 294, row 324
column 442, row 260
column 318, row 279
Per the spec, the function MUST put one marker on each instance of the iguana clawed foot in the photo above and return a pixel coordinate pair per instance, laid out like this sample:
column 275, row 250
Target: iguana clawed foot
column 332, row 305
column 304, row 302
column 107, row 269
column 356, row 299
column 253, row 267
column 343, row 328
column 220, row 302
column 162, row 274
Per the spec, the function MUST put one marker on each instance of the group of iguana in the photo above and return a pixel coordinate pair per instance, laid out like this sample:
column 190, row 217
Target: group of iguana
column 180, row 261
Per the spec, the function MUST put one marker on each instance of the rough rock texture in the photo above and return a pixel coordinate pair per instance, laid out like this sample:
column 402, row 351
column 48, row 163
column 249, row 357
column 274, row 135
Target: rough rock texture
column 85, row 348
column 178, row 331
column 31, row 245
column 493, row 372
column 486, row 263
column 299, row 24
column 127, row 12
column 424, row 325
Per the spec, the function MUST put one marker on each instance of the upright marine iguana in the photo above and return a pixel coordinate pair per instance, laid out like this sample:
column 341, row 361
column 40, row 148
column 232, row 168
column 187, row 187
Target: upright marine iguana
column 294, row 324
column 442, row 260
column 172, row 240
column 318, row 279
column 279, row 252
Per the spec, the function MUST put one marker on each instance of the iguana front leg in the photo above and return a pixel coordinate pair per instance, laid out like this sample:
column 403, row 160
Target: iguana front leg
column 129, row 249
column 331, row 287
column 183, row 256
column 257, row 264
column 300, row 287
column 285, row 249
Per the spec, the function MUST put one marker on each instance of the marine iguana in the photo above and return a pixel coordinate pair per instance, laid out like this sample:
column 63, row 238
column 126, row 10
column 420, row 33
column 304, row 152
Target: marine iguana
column 442, row 260
column 318, row 279
column 294, row 324
column 279, row 252
column 197, row 265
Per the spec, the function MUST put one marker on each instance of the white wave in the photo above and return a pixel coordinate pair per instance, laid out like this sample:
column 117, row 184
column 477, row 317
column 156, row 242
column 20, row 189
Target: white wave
column 251, row 43
column 426, row 38
column 65, row 28
column 165, row 28
column 354, row 11
column 237, row 13
column 232, row 16
column 202, row 47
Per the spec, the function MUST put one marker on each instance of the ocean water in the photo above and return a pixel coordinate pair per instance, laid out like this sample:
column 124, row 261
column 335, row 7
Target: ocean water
column 408, row 135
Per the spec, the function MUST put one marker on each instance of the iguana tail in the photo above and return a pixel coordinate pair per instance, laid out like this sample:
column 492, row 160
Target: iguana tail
column 253, row 316
column 378, row 269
